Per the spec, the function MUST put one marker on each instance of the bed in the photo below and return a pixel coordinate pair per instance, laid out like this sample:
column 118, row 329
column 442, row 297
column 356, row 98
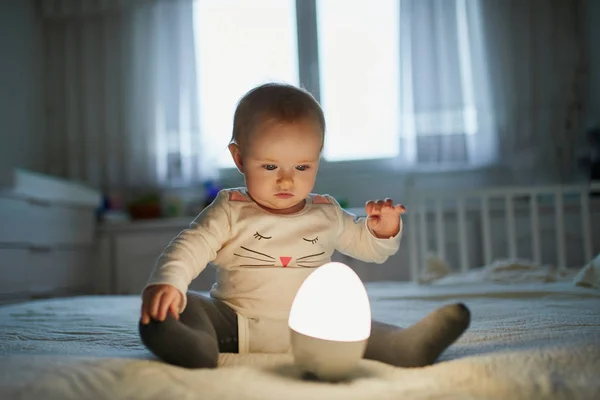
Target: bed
column 535, row 331
column 527, row 341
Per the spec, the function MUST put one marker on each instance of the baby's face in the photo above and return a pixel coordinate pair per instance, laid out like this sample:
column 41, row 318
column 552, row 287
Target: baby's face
column 280, row 163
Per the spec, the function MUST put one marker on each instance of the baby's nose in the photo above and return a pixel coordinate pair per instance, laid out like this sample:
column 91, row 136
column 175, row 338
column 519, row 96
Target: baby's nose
column 285, row 183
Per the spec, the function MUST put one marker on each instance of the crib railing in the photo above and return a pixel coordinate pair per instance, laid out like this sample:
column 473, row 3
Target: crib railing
column 473, row 212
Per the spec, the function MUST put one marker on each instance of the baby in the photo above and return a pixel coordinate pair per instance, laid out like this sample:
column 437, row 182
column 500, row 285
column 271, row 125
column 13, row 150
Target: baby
column 264, row 239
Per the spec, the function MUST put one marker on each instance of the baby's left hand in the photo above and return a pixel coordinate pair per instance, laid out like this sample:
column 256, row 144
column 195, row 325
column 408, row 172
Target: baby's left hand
column 383, row 217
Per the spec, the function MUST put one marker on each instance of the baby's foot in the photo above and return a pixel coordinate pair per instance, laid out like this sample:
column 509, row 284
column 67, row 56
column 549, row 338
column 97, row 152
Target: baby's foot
column 422, row 343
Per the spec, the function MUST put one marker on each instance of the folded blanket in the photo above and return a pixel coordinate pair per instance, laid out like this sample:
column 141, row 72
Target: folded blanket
column 520, row 271
column 503, row 271
column 589, row 275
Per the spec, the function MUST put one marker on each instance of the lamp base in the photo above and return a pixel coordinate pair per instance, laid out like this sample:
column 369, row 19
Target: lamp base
column 328, row 360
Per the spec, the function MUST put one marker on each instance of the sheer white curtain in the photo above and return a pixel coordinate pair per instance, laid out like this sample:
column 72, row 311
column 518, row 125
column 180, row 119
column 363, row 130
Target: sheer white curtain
column 122, row 93
column 537, row 57
column 494, row 81
column 445, row 114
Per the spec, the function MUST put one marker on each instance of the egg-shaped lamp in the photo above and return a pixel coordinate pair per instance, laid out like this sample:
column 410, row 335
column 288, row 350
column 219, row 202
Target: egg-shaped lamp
column 330, row 322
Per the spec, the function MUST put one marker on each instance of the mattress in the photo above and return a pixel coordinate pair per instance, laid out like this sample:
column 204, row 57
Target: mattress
column 526, row 340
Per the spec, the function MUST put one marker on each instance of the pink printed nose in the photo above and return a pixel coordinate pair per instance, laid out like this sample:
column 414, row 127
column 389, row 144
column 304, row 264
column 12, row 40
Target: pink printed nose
column 285, row 261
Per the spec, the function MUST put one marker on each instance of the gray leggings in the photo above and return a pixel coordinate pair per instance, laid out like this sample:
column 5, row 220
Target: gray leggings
column 208, row 327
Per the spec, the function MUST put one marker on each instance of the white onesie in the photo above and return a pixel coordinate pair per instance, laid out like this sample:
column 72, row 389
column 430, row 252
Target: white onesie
column 262, row 258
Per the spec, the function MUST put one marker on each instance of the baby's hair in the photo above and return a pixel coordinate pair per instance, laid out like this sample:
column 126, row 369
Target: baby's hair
column 274, row 101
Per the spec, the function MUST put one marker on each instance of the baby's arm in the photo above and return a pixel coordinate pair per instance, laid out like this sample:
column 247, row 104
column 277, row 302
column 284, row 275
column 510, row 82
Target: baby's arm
column 185, row 258
column 375, row 238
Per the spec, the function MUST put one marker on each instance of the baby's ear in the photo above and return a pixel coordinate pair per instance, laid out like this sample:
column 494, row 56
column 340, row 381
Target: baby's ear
column 236, row 154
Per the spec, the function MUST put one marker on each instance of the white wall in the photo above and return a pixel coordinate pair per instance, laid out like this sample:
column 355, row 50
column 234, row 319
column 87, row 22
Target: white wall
column 21, row 88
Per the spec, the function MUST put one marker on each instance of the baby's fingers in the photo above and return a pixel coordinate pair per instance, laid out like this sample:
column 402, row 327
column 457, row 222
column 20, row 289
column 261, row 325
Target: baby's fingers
column 145, row 315
column 147, row 300
column 388, row 205
column 174, row 309
column 166, row 301
column 373, row 207
column 146, row 307
column 400, row 208
column 155, row 304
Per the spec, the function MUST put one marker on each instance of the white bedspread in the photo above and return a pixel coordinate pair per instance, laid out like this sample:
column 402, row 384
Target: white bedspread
column 526, row 341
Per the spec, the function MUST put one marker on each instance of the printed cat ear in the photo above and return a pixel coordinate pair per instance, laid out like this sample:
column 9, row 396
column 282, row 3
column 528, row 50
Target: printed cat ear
column 318, row 199
column 237, row 196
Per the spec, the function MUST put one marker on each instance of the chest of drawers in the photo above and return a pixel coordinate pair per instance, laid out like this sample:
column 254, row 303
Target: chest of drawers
column 47, row 233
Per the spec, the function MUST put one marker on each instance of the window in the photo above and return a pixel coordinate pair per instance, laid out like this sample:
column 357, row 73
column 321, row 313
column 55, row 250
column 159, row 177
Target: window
column 240, row 44
column 359, row 64
column 395, row 78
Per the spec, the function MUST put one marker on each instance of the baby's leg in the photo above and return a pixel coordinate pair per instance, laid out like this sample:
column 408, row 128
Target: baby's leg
column 420, row 344
column 205, row 328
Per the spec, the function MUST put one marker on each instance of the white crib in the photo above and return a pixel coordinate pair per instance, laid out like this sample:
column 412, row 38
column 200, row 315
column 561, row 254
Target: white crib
column 546, row 224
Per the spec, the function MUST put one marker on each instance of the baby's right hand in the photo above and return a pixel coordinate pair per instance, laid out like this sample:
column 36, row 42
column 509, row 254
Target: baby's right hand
column 157, row 300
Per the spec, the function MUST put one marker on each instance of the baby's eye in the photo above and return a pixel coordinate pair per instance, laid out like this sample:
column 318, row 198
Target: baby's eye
column 313, row 241
column 259, row 236
column 270, row 167
column 302, row 167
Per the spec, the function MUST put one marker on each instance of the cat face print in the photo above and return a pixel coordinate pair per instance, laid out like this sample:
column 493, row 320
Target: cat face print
column 259, row 254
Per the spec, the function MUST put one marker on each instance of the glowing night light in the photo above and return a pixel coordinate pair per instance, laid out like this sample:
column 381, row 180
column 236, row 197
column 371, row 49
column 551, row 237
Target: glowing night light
column 330, row 322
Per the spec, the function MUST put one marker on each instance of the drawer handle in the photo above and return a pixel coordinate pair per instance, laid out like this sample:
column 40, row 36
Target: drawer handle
column 40, row 249
column 39, row 202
